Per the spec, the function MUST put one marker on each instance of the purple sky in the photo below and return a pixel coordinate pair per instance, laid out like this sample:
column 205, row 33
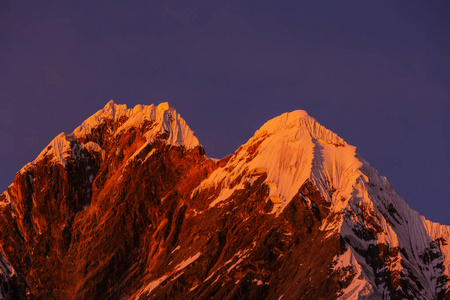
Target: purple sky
column 375, row 72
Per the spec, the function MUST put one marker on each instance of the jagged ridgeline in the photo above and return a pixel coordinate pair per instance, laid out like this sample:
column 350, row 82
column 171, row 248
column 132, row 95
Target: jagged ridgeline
column 128, row 206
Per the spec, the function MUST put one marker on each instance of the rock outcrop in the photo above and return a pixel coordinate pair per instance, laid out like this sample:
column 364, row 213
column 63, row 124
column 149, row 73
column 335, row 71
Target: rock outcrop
column 128, row 206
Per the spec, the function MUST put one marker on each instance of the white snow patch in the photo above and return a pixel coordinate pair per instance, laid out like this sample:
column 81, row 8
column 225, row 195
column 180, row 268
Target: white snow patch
column 132, row 157
column 215, row 280
column 193, row 288
column 152, row 285
column 187, row 262
column 177, row 248
column 242, row 255
column 210, row 276
column 225, row 194
column 228, row 261
column 149, row 155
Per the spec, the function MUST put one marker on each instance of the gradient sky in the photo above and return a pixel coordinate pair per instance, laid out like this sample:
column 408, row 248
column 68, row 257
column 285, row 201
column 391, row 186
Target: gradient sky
column 375, row 72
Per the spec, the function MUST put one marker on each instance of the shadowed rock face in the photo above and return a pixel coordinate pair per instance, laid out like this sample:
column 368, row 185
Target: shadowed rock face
column 83, row 230
column 121, row 215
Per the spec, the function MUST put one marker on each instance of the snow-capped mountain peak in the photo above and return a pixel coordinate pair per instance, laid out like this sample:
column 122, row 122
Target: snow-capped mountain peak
column 294, row 150
column 300, row 120
column 291, row 149
column 294, row 212
column 164, row 120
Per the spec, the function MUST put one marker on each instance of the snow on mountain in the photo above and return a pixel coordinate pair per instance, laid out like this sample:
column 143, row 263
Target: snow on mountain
column 360, row 287
column 169, row 122
column 290, row 148
column 295, row 211
column 164, row 116
column 364, row 208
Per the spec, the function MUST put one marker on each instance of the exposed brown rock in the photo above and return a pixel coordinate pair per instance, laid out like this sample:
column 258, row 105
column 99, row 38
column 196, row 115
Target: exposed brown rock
column 127, row 220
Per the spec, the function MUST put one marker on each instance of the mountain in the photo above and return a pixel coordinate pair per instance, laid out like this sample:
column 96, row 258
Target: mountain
column 128, row 206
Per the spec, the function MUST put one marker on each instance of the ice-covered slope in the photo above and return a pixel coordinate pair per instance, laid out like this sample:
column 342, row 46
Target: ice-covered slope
column 364, row 209
column 116, row 209
column 164, row 117
column 290, row 149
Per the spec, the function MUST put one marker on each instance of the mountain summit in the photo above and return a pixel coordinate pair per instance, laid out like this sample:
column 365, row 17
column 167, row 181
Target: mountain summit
column 165, row 120
column 128, row 206
column 290, row 148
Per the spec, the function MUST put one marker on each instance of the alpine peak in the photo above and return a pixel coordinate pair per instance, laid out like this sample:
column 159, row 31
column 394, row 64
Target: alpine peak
column 118, row 119
column 300, row 120
column 291, row 149
column 117, row 210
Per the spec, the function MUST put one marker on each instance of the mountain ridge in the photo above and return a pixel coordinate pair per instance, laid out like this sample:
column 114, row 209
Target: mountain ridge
column 183, row 213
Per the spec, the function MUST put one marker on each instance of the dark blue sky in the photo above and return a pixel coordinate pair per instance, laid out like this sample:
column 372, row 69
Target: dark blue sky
column 375, row 72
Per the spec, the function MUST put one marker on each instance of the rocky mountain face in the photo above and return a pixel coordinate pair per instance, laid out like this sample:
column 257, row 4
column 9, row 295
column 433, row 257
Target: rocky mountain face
column 128, row 206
